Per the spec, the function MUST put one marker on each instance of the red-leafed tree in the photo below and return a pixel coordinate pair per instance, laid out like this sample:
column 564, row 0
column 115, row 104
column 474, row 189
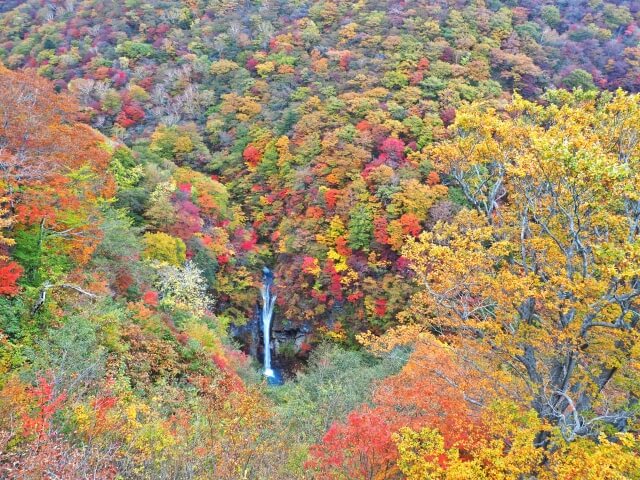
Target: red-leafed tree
column 9, row 274
column 251, row 155
column 47, row 403
column 359, row 449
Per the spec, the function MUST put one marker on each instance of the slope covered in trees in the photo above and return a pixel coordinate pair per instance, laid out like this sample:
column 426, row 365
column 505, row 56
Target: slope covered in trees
column 446, row 191
column 313, row 111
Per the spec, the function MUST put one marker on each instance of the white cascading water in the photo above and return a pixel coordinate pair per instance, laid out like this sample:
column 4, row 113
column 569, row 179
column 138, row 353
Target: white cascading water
column 268, row 302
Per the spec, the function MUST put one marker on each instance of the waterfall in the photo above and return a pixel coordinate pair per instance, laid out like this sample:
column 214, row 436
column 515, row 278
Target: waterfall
column 268, row 302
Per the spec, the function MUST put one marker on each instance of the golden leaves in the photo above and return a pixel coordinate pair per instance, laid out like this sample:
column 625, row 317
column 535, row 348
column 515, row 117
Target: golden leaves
column 546, row 260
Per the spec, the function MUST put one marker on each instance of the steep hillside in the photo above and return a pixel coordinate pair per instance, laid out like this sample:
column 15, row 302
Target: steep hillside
column 441, row 195
column 314, row 116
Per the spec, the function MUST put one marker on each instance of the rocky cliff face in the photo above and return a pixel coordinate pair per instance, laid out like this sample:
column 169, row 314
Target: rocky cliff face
column 290, row 341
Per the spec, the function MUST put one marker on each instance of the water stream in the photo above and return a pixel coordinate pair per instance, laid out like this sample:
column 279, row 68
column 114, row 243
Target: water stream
column 268, row 302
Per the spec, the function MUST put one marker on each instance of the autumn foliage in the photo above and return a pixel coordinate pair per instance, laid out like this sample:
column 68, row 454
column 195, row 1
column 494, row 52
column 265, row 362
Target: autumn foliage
column 9, row 275
column 445, row 192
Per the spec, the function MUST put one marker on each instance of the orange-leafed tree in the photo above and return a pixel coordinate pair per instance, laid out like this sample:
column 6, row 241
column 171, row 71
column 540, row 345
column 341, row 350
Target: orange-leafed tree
column 436, row 389
column 40, row 136
column 52, row 167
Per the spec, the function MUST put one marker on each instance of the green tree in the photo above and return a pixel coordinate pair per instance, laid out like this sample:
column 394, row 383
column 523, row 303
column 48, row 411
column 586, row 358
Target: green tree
column 579, row 78
column 360, row 228
column 551, row 15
